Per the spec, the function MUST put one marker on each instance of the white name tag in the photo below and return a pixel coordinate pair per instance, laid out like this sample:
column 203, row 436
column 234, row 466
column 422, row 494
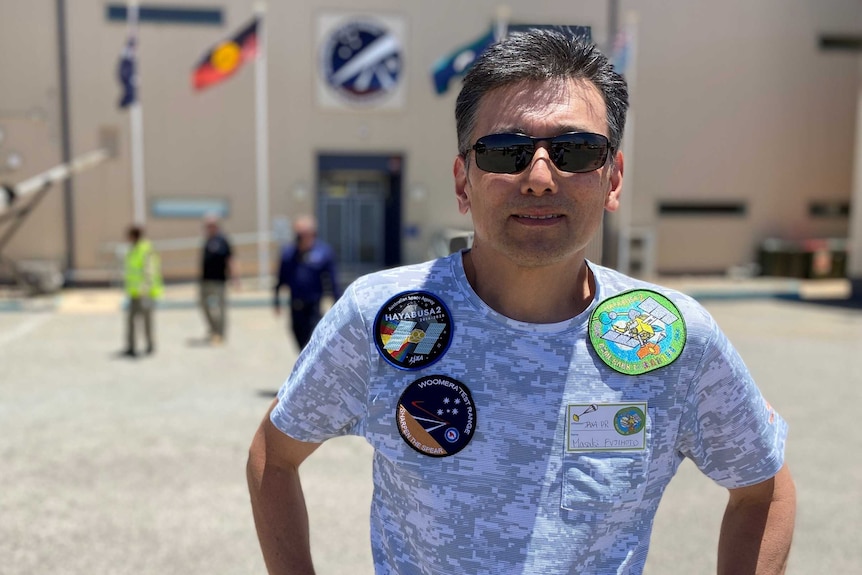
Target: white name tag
column 606, row 427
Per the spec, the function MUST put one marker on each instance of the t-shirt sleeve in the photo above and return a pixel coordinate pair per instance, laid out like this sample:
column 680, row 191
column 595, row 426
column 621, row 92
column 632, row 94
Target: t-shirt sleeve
column 326, row 394
column 728, row 429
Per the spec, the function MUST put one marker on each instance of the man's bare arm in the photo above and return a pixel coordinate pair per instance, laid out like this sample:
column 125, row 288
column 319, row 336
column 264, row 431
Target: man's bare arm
column 758, row 527
column 277, row 501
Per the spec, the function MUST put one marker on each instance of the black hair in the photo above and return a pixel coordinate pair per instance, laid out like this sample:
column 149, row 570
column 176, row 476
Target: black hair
column 135, row 233
column 540, row 54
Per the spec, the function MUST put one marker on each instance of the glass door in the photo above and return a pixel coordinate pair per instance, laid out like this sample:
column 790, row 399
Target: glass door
column 352, row 219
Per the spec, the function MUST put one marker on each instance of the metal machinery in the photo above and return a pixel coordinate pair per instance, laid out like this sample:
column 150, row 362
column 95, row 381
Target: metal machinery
column 18, row 201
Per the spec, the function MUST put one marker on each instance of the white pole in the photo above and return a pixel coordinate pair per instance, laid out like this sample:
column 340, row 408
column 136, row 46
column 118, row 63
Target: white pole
column 136, row 117
column 501, row 22
column 136, row 122
column 262, row 149
column 854, row 262
column 626, row 204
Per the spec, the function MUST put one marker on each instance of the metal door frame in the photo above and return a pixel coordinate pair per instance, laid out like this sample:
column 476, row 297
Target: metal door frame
column 390, row 167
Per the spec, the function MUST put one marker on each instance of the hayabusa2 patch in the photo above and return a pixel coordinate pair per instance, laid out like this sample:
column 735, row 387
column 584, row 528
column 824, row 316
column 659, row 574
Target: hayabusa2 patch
column 413, row 330
column 436, row 416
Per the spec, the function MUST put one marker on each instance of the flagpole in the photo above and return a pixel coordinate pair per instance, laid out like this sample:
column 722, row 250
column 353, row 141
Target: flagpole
column 136, row 118
column 136, row 123
column 854, row 252
column 624, row 255
column 262, row 148
column 501, row 22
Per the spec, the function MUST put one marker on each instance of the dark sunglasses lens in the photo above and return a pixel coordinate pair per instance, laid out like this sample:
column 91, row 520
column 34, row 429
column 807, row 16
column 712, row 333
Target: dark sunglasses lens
column 579, row 152
column 504, row 153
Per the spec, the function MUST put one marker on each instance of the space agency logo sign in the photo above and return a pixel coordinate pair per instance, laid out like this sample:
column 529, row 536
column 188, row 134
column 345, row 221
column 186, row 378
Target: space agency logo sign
column 637, row 332
column 436, row 416
column 413, row 330
column 361, row 62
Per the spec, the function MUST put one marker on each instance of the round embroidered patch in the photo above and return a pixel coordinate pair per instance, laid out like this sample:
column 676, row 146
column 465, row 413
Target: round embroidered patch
column 436, row 416
column 638, row 331
column 413, row 330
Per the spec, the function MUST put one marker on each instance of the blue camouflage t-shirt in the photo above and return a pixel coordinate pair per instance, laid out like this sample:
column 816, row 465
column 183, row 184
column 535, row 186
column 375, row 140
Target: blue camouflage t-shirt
column 507, row 447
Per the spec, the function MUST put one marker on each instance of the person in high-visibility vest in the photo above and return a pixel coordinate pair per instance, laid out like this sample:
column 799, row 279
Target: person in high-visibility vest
column 143, row 282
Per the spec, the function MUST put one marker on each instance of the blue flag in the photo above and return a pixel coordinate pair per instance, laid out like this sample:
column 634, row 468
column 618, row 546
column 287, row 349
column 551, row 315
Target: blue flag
column 458, row 62
column 127, row 68
column 126, row 74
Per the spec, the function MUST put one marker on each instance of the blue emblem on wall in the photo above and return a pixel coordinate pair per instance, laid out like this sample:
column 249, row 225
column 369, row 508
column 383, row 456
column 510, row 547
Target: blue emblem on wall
column 362, row 61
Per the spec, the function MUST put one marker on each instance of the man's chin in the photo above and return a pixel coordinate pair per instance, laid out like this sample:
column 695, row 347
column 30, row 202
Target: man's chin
column 538, row 256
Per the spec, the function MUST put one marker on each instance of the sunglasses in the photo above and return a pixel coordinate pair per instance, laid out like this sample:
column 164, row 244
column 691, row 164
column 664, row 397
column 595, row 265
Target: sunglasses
column 575, row 152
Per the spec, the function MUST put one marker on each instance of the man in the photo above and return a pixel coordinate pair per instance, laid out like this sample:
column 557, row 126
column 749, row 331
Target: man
column 527, row 408
column 217, row 268
column 143, row 285
column 305, row 267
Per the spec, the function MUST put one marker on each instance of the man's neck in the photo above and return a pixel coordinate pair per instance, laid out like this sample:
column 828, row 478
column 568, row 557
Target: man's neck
column 546, row 294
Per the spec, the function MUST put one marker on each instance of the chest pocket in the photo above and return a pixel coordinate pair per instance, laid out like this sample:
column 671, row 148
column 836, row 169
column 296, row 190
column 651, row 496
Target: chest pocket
column 597, row 483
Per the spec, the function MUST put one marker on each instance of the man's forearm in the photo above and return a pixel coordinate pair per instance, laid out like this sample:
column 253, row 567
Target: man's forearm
column 756, row 535
column 280, row 517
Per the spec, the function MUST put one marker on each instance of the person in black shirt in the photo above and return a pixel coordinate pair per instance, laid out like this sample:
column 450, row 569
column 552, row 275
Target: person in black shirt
column 217, row 268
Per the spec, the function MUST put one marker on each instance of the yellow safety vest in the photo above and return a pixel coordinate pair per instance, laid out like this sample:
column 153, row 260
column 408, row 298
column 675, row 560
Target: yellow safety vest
column 143, row 271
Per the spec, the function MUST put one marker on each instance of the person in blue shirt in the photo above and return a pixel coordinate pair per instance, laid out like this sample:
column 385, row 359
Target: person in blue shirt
column 527, row 407
column 306, row 266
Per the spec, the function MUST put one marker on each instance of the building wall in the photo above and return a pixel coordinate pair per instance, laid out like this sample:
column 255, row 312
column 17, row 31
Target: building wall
column 29, row 118
column 732, row 102
column 758, row 114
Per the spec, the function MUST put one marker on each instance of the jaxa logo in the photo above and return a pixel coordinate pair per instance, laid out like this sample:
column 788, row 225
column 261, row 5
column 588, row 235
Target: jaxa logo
column 413, row 330
column 362, row 61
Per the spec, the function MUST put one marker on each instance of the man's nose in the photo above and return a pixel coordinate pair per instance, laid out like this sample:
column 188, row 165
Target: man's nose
column 539, row 175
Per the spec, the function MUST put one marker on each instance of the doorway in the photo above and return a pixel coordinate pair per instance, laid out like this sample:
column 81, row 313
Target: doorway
column 359, row 211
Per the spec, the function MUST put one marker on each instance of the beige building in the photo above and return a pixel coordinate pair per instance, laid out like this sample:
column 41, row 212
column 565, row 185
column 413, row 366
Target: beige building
column 742, row 127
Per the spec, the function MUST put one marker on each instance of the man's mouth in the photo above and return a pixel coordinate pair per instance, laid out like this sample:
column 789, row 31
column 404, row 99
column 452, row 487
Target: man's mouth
column 538, row 218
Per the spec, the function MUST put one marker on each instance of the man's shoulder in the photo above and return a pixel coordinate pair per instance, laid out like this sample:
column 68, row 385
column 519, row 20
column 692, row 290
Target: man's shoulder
column 613, row 283
column 325, row 249
column 432, row 274
column 218, row 239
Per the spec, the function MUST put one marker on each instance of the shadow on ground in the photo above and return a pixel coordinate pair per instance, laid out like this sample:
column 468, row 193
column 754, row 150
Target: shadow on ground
column 852, row 303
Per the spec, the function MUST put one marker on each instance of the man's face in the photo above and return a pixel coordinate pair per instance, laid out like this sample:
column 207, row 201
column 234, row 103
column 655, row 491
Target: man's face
column 542, row 215
column 305, row 239
column 306, row 232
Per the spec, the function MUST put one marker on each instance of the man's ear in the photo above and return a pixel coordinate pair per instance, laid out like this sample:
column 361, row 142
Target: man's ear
column 461, row 183
column 615, row 184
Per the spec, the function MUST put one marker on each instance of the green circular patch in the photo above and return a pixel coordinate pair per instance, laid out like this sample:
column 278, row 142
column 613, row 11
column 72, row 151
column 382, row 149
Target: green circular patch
column 637, row 331
column 629, row 420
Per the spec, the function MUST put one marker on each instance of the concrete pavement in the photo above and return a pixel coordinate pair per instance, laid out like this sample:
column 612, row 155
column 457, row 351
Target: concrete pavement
column 113, row 466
